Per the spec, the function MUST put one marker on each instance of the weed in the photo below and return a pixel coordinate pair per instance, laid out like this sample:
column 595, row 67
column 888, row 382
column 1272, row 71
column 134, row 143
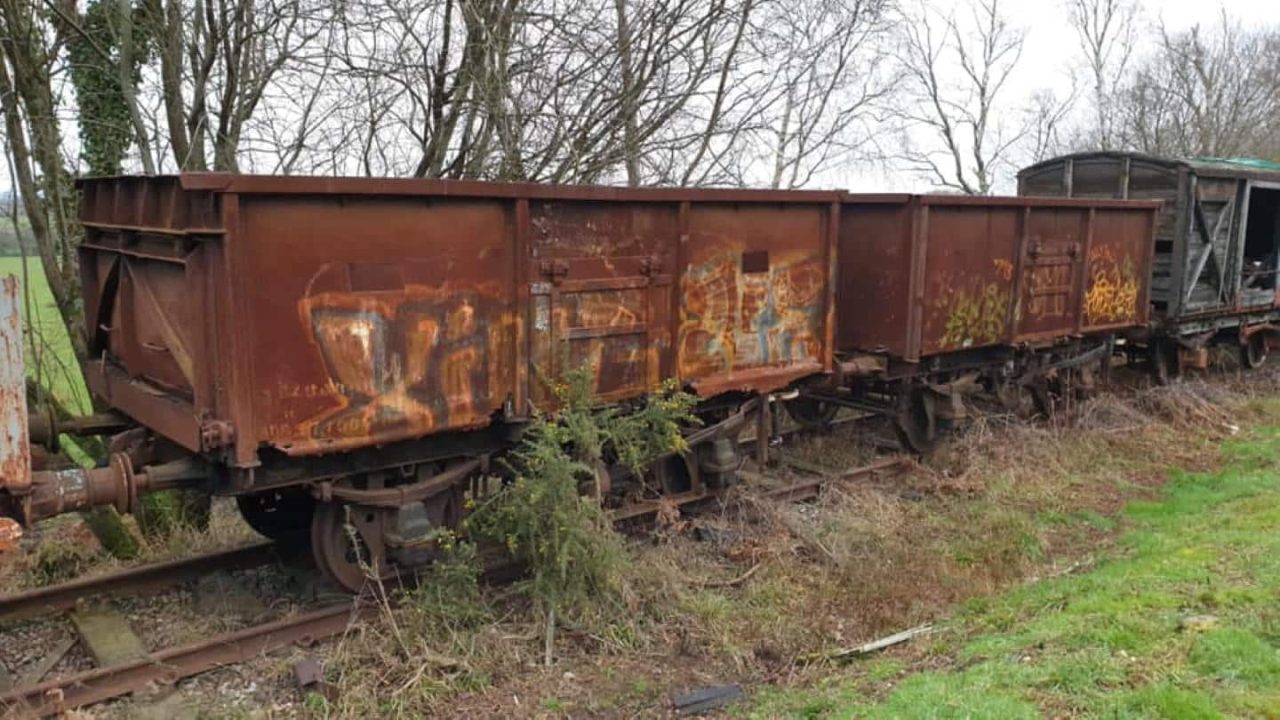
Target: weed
column 448, row 601
column 564, row 537
column 57, row 562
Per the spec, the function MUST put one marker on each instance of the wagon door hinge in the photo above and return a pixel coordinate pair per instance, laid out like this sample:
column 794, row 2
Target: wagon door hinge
column 216, row 434
column 554, row 270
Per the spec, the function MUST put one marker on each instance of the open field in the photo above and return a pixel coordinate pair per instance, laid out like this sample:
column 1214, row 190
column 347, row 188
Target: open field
column 9, row 241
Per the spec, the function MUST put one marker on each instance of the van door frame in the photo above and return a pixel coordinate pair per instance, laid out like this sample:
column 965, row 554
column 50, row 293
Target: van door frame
column 1242, row 238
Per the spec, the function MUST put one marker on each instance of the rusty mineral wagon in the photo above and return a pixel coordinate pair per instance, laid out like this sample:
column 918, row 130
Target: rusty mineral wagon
column 313, row 344
column 1217, row 249
column 943, row 296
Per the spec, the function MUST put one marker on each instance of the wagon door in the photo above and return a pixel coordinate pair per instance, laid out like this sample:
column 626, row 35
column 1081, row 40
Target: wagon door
column 600, row 289
column 1052, row 254
column 1211, row 255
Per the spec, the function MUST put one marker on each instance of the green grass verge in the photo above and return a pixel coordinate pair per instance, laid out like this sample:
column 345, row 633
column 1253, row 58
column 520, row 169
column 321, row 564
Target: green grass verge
column 1182, row 621
column 48, row 349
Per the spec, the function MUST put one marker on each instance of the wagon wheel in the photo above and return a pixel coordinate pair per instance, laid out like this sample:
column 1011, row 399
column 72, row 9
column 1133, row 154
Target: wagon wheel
column 1019, row 399
column 340, row 544
column 1253, row 353
column 916, row 421
column 445, row 509
column 1085, row 381
column 283, row 515
column 811, row 412
column 1165, row 367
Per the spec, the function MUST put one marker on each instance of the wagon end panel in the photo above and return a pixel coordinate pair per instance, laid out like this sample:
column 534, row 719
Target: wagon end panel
column 600, row 293
column 1161, row 181
column 1119, row 263
column 873, row 291
column 149, row 263
column 374, row 318
column 755, row 295
column 969, row 269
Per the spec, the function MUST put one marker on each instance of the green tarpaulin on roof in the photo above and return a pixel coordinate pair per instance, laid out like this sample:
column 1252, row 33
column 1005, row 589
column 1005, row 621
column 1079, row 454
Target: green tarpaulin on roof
column 1254, row 163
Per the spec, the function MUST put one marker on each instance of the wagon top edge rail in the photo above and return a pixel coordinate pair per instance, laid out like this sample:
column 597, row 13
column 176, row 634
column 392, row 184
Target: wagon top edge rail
column 316, row 185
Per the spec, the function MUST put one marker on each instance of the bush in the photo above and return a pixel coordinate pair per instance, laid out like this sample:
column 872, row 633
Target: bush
column 565, row 538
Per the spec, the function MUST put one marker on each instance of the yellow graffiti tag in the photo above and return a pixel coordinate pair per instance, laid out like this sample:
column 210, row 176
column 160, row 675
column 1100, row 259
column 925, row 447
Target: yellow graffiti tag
column 976, row 318
column 1113, row 291
column 1004, row 269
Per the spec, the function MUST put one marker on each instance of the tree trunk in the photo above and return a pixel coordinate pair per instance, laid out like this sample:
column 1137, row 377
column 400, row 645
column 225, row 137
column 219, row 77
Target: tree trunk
column 630, row 124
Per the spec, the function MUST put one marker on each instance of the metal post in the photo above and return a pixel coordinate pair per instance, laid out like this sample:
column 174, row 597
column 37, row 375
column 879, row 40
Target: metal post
column 15, row 450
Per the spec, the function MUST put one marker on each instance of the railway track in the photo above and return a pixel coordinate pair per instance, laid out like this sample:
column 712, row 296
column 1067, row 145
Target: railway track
column 142, row 580
column 169, row 665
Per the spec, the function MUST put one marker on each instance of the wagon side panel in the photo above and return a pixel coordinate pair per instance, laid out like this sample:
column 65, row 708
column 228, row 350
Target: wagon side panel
column 1055, row 242
column 601, row 294
column 873, row 292
column 970, row 266
column 1119, row 262
column 376, row 318
column 754, row 295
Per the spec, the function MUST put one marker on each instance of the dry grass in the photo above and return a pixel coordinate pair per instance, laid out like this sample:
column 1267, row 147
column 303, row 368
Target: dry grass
column 64, row 548
column 746, row 594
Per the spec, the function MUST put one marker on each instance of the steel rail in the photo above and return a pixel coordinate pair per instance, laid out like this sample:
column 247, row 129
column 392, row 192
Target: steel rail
column 172, row 664
column 795, row 492
column 141, row 580
column 809, row 489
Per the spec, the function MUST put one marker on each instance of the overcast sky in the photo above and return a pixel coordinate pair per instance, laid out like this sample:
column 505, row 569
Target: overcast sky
column 1050, row 55
column 1052, row 47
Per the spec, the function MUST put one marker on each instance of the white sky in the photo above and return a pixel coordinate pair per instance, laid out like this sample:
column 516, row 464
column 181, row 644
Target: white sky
column 1050, row 52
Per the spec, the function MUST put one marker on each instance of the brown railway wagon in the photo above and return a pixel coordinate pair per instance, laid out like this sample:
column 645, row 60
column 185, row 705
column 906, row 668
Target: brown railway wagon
column 314, row 315
column 921, row 276
column 1217, row 249
column 944, row 297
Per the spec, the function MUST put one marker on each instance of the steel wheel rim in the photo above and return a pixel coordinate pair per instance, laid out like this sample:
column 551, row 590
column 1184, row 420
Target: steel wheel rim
column 1255, row 351
column 811, row 412
column 333, row 551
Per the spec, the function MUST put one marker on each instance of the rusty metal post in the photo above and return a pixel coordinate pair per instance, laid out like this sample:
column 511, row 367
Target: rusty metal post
column 15, row 451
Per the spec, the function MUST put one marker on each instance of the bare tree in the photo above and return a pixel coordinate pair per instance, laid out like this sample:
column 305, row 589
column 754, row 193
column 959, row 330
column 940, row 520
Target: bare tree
column 1205, row 92
column 957, row 70
column 217, row 58
column 830, row 79
column 1047, row 124
column 1107, row 32
column 29, row 48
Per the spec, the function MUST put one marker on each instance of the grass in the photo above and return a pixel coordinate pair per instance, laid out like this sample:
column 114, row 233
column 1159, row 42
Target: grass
column 769, row 587
column 1181, row 620
column 49, row 356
